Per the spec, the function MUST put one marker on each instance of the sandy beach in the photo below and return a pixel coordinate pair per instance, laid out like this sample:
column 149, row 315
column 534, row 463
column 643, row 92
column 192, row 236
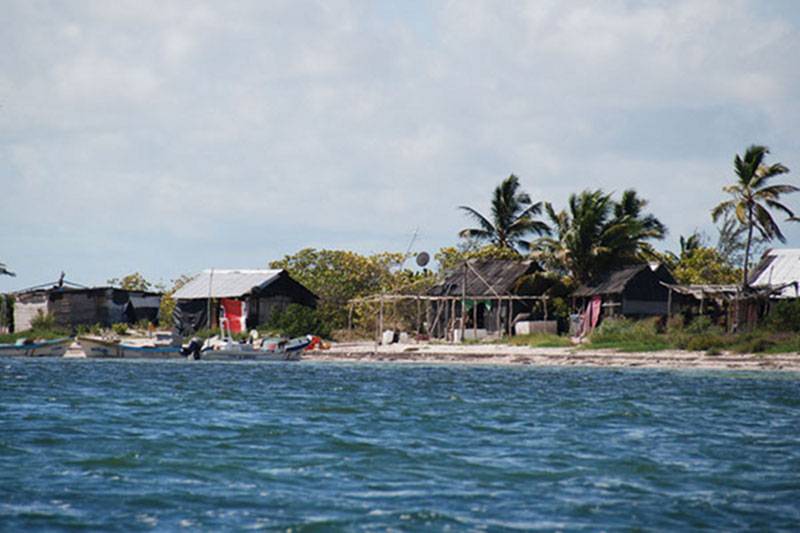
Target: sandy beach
column 499, row 354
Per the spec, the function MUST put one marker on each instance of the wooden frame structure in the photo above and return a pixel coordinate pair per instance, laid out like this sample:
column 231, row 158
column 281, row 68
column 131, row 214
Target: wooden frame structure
column 450, row 309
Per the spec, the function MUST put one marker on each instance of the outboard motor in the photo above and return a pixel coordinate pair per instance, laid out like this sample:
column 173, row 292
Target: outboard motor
column 192, row 350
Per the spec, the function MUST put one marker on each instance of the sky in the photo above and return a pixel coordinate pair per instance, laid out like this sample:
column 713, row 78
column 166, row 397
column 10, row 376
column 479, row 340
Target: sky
column 166, row 137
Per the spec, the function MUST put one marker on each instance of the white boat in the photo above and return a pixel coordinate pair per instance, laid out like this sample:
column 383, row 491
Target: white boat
column 98, row 347
column 150, row 352
column 227, row 349
column 94, row 347
column 24, row 348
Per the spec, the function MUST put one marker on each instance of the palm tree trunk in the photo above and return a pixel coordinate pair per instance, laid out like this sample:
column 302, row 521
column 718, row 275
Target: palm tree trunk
column 747, row 248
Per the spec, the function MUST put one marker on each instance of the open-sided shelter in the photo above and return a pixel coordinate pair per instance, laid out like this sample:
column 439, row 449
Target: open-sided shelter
column 479, row 294
column 249, row 296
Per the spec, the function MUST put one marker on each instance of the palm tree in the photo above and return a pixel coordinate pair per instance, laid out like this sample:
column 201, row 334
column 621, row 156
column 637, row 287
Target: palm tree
column 753, row 197
column 594, row 234
column 5, row 271
column 511, row 220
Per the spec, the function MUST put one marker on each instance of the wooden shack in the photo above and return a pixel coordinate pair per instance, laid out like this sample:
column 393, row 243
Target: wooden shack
column 633, row 291
column 72, row 307
column 259, row 291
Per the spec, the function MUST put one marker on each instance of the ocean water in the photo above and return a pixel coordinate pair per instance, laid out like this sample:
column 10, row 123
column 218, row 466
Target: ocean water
column 165, row 446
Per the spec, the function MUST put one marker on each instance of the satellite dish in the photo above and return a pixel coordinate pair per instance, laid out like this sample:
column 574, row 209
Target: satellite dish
column 423, row 258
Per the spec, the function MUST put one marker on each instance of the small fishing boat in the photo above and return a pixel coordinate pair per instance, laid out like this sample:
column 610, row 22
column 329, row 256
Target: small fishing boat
column 150, row 352
column 99, row 347
column 94, row 347
column 227, row 349
column 27, row 348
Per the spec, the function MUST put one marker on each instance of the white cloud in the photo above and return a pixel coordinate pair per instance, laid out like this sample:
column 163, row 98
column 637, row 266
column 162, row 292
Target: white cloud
column 257, row 128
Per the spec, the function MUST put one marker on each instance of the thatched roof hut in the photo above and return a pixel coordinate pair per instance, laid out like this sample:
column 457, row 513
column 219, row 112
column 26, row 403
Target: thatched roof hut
column 635, row 290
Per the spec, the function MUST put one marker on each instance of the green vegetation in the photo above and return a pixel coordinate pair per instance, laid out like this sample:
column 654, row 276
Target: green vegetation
column 132, row 282
column 780, row 333
column 511, row 221
column 337, row 276
column 595, row 234
column 43, row 321
column 629, row 336
column 296, row 321
column 752, row 198
column 541, row 340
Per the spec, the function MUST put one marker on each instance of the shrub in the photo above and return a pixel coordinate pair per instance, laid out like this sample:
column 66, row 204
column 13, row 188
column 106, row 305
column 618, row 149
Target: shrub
column 120, row 328
column 297, row 320
column 43, row 321
column 785, row 316
column 704, row 341
column 626, row 330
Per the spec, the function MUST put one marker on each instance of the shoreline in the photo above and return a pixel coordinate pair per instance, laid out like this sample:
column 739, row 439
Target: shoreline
column 496, row 354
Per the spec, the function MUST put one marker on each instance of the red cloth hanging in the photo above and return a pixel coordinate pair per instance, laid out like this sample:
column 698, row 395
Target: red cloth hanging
column 234, row 312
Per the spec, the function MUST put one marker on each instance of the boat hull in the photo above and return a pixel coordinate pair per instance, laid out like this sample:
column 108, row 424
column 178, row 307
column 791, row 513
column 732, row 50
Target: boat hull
column 99, row 348
column 53, row 348
column 150, row 352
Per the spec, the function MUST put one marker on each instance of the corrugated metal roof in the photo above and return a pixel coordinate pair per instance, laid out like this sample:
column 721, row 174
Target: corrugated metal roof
column 225, row 283
column 502, row 275
column 778, row 267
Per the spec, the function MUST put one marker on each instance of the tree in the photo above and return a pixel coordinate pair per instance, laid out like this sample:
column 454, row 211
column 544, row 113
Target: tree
column 704, row 265
column 166, row 309
column 337, row 276
column 595, row 234
column 752, row 197
column 512, row 218
column 132, row 282
column 5, row 271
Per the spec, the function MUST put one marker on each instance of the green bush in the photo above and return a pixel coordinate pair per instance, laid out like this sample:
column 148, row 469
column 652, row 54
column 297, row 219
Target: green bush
column 699, row 334
column 784, row 316
column 704, row 342
column 89, row 329
column 621, row 330
column 297, row 320
column 120, row 328
column 43, row 321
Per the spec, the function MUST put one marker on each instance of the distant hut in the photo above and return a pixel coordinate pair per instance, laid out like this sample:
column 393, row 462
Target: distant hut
column 478, row 297
column 778, row 270
column 248, row 298
column 75, row 306
column 634, row 291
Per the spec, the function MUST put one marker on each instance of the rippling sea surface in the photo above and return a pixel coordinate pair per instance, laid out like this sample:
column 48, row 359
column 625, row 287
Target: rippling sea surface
column 137, row 446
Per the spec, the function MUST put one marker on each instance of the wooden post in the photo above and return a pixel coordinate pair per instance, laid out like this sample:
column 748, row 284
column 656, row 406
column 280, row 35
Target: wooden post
column 669, row 304
column 544, row 301
column 419, row 316
column 453, row 315
column 508, row 318
column 497, row 320
column 380, row 321
column 463, row 302
column 475, row 319
column 350, row 322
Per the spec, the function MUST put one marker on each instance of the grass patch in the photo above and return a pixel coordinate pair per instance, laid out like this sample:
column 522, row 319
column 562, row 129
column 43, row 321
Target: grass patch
column 45, row 334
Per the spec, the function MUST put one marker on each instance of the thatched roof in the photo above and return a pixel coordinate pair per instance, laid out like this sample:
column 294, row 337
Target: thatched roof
column 483, row 277
column 618, row 281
